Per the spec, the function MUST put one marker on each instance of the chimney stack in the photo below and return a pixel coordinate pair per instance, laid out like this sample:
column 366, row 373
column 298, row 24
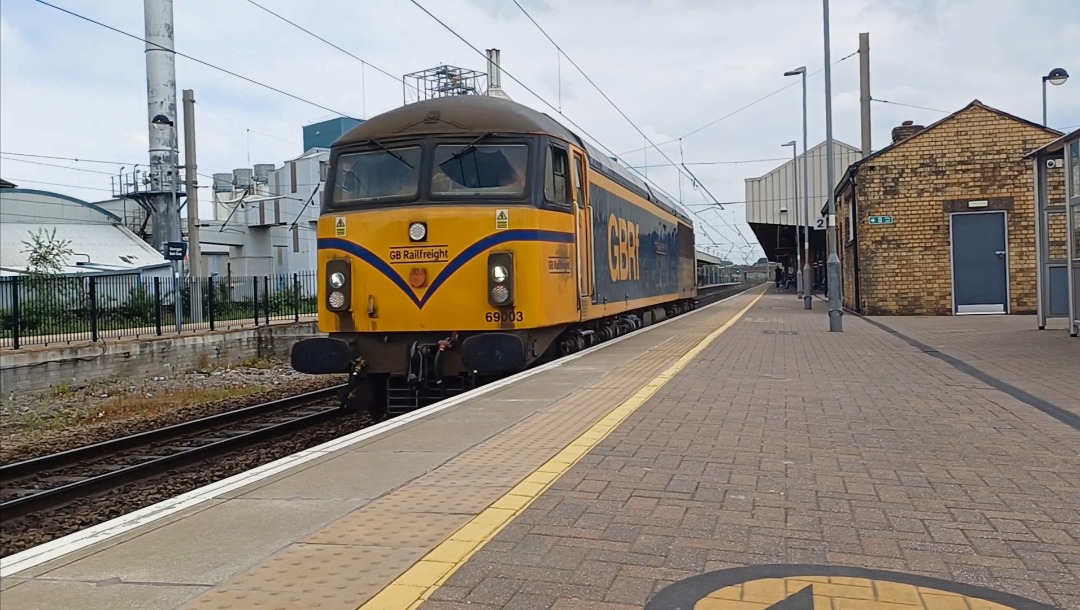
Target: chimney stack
column 494, row 68
column 906, row 130
column 494, row 72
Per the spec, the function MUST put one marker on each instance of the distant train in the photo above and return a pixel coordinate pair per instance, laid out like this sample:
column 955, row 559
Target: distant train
column 465, row 238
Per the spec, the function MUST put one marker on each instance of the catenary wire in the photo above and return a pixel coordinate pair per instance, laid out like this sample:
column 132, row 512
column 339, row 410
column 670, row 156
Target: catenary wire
column 194, row 59
column 874, row 99
column 740, row 109
column 313, row 34
column 538, row 96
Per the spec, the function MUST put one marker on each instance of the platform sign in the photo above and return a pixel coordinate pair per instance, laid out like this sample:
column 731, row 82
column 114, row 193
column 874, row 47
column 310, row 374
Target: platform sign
column 819, row 223
column 807, row 587
column 175, row 250
column 881, row 220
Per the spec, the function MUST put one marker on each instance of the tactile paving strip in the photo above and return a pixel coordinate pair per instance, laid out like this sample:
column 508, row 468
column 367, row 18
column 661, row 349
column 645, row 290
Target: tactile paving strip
column 359, row 556
column 332, row 575
column 390, row 528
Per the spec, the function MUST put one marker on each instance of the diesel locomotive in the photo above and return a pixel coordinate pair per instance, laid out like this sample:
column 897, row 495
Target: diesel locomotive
column 465, row 238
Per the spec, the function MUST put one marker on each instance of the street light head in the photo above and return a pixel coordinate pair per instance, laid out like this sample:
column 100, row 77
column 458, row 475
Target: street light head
column 791, row 143
column 160, row 121
column 799, row 70
column 1057, row 76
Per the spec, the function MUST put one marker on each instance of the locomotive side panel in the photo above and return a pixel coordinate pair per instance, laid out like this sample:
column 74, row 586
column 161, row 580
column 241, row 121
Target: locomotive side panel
column 687, row 262
column 635, row 252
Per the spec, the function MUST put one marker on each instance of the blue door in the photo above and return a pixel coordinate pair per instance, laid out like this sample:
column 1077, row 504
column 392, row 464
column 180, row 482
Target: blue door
column 980, row 262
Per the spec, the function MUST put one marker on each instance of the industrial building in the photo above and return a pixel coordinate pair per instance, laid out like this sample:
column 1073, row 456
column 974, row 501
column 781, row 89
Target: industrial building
column 263, row 218
column 266, row 216
column 942, row 221
column 100, row 243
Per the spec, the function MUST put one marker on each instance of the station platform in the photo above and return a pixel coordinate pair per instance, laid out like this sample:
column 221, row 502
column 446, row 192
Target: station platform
column 740, row 457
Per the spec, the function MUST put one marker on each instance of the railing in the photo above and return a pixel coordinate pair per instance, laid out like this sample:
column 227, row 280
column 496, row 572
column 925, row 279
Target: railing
column 52, row 310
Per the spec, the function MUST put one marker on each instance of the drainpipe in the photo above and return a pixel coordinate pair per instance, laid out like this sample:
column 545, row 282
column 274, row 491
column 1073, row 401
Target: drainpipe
column 855, row 238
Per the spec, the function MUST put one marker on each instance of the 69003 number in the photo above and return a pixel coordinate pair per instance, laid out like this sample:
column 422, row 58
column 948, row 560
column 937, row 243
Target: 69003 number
column 504, row 316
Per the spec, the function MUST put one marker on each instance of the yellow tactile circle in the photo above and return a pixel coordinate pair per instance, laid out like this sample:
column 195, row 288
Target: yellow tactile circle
column 839, row 593
column 817, row 587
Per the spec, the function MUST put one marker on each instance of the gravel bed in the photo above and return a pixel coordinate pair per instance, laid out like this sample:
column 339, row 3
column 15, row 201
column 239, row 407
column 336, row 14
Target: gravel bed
column 25, row 532
column 32, row 425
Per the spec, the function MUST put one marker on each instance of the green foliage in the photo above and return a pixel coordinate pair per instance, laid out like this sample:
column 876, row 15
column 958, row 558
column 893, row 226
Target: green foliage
column 47, row 255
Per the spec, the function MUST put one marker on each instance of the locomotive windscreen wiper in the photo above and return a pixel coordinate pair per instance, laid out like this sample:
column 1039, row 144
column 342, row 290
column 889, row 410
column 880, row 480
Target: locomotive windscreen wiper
column 471, row 145
column 392, row 153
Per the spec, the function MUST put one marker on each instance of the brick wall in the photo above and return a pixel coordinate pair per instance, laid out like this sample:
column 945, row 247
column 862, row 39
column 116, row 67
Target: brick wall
column 41, row 368
column 906, row 268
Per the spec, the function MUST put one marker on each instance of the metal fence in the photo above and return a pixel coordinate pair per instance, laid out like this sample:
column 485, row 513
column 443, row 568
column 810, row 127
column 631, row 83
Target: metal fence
column 51, row 310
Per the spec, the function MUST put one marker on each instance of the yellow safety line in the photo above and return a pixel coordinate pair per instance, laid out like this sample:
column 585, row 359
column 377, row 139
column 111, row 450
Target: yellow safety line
column 417, row 584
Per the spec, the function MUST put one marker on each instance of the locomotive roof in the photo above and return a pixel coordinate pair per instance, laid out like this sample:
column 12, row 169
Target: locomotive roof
column 464, row 114
column 479, row 114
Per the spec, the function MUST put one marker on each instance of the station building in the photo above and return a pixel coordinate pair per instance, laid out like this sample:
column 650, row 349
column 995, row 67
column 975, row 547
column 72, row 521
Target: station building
column 942, row 221
column 774, row 208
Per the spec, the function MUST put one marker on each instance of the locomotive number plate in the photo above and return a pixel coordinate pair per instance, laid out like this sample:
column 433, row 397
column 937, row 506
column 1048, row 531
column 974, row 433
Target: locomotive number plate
column 504, row 316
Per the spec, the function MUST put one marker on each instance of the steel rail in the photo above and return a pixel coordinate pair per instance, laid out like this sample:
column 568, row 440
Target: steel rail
column 49, row 498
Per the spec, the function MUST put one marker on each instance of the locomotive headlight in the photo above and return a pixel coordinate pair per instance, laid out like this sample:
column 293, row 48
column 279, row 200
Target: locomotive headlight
column 417, row 231
column 338, row 284
column 336, row 300
column 500, row 295
column 501, row 279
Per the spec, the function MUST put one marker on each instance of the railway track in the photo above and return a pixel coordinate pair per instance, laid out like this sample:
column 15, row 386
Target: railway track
column 53, row 480
column 715, row 293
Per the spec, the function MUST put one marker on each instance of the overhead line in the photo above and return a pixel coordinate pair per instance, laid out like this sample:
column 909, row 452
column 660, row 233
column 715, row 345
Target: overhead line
column 78, row 169
column 77, row 160
column 601, row 91
column 313, row 34
column 738, row 110
column 874, row 99
column 712, row 162
column 690, row 173
column 194, row 59
column 74, row 186
column 69, row 158
column 539, row 97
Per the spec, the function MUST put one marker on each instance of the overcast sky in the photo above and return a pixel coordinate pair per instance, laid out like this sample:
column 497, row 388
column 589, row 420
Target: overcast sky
column 69, row 88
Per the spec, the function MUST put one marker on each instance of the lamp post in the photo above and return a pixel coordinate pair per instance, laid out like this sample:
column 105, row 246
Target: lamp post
column 1057, row 76
column 836, row 311
column 798, row 238
column 806, row 273
column 161, row 121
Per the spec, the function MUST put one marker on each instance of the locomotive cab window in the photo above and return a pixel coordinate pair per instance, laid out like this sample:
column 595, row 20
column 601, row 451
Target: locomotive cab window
column 377, row 175
column 479, row 170
column 557, row 177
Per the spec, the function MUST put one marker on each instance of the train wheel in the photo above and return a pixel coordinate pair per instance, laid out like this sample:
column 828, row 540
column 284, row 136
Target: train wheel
column 567, row 345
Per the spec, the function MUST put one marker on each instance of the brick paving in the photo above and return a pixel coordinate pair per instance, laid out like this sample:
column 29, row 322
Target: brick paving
column 784, row 443
column 1044, row 363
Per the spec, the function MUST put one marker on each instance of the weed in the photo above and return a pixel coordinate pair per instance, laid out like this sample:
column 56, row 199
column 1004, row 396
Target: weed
column 62, row 389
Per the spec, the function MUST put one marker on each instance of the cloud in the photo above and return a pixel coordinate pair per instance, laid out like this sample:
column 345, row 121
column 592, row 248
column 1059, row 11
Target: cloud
column 70, row 88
